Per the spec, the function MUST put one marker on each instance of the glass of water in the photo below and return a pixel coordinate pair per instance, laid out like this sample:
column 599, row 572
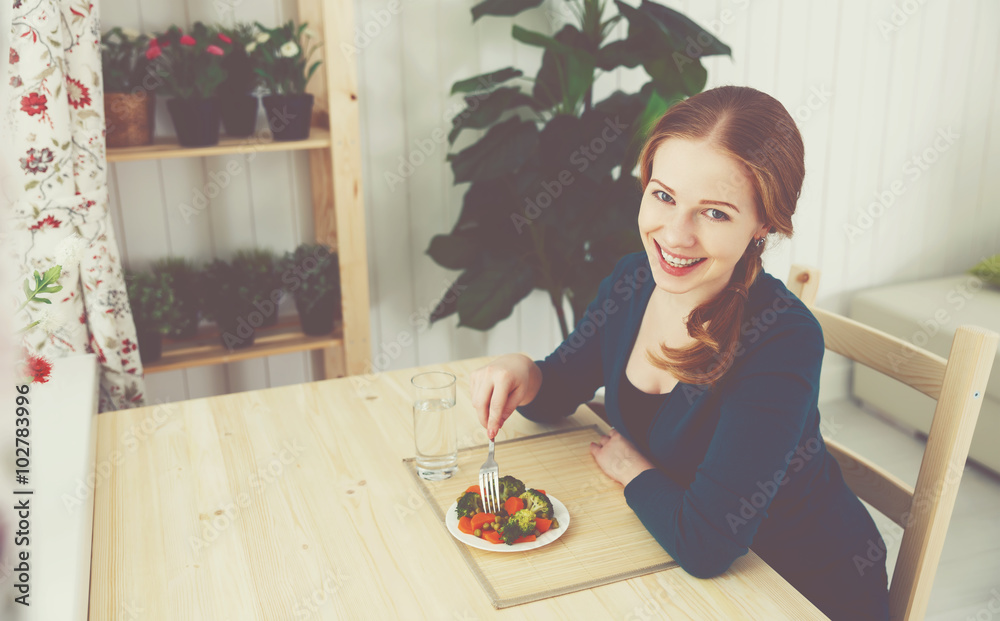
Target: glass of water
column 434, row 427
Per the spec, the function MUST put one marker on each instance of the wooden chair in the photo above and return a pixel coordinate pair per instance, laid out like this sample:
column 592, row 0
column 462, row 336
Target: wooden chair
column 958, row 384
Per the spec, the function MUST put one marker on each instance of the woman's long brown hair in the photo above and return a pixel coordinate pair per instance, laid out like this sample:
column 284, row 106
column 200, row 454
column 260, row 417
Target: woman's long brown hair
column 755, row 130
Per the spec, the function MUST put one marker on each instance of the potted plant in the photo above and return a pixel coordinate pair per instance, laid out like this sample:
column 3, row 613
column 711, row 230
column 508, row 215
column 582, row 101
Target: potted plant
column 544, row 208
column 259, row 267
column 190, row 66
column 153, row 310
column 282, row 56
column 238, row 102
column 229, row 302
column 186, row 286
column 129, row 86
column 312, row 274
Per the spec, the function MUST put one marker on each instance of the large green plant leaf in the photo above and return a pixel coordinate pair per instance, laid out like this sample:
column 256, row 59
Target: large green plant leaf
column 482, row 110
column 503, row 149
column 492, row 295
column 486, row 216
column 567, row 70
column 697, row 41
column 456, row 252
column 502, row 7
column 485, row 81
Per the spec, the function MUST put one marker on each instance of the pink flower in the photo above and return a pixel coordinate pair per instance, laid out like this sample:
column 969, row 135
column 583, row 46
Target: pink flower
column 187, row 40
column 224, row 38
column 153, row 52
column 214, row 49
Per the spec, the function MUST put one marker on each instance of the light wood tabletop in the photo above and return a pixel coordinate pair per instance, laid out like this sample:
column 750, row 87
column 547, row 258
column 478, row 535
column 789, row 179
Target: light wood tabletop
column 294, row 503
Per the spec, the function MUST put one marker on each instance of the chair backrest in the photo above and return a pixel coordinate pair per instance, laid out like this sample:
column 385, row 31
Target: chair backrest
column 958, row 384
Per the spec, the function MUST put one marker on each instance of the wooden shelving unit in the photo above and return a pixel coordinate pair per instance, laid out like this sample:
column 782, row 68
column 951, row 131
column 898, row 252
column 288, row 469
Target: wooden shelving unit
column 167, row 148
column 206, row 348
column 338, row 211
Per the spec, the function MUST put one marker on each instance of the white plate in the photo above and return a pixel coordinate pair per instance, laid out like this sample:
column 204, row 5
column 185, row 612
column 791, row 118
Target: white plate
column 558, row 510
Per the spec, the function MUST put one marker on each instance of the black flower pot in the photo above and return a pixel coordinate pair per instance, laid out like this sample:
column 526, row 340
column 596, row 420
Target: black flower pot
column 318, row 319
column 196, row 121
column 289, row 116
column 189, row 327
column 235, row 332
column 239, row 115
column 150, row 345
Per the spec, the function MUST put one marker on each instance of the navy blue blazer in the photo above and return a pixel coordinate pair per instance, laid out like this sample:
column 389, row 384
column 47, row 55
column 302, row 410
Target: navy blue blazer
column 739, row 465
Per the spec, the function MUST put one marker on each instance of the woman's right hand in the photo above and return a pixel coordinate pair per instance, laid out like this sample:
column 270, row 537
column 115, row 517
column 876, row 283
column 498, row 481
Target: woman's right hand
column 501, row 386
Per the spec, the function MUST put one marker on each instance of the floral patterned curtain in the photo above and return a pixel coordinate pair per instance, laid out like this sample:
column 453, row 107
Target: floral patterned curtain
column 54, row 128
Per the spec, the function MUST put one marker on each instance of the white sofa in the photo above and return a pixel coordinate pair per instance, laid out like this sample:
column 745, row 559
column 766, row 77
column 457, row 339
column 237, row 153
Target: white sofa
column 926, row 313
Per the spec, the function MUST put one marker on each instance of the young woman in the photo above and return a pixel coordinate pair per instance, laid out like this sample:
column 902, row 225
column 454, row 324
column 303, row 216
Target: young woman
column 711, row 366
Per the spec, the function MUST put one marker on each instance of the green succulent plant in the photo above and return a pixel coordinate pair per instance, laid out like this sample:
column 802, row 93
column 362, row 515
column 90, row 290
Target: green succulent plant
column 152, row 300
column 312, row 275
column 260, row 269
column 989, row 270
column 188, row 289
column 228, row 291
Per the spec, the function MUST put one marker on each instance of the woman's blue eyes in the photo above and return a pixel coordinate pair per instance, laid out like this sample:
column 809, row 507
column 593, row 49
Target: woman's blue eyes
column 721, row 215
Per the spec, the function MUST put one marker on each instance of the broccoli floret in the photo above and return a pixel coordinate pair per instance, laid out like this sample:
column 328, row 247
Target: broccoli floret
column 509, row 486
column 469, row 504
column 520, row 524
column 538, row 503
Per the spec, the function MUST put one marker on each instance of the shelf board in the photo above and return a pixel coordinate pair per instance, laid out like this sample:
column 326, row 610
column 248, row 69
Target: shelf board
column 206, row 348
column 167, row 147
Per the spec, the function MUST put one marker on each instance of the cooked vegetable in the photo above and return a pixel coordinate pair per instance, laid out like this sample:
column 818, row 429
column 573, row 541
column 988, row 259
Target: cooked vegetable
column 524, row 514
column 492, row 536
column 465, row 525
column 469, row 504
column 513, row 505
column 538, row 503
column 521, row 524
column 509, row 486
column 480, row 519
column 542, row 524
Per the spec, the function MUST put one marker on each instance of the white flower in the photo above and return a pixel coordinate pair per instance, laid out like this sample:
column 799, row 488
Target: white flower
column 48, row 324
column 310, row 33
column 112, row 38
column 251, row 47
column 69, row 250
column 130, row 34
column 289, row 50
column 262, row 37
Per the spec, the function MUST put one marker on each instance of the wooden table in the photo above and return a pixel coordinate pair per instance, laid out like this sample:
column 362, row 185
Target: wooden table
column 293, row 503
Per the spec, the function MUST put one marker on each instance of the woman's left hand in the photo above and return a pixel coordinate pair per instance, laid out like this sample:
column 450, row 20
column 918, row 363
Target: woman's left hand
column 618, row 458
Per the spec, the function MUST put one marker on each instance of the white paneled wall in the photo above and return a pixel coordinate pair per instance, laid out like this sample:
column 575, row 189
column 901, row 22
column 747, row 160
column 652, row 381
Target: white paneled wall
column 874, row 86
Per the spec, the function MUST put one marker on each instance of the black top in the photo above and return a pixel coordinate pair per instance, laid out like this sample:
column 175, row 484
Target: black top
column 639, row 409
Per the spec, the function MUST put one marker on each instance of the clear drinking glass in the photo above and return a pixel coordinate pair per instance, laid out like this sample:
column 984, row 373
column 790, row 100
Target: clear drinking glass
column 434, row 427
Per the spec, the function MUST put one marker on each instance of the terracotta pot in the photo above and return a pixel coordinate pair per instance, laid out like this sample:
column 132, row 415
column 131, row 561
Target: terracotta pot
column 129, row 118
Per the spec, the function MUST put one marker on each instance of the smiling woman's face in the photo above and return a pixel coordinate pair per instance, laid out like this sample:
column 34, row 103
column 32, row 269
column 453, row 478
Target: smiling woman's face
column 698, row 204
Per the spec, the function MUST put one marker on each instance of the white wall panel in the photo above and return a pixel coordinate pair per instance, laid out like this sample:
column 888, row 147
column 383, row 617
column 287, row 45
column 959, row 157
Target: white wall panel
column 893, row 81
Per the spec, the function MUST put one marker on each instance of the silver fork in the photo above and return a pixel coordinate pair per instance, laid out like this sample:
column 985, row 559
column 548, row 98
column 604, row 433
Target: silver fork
column 489, row 483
